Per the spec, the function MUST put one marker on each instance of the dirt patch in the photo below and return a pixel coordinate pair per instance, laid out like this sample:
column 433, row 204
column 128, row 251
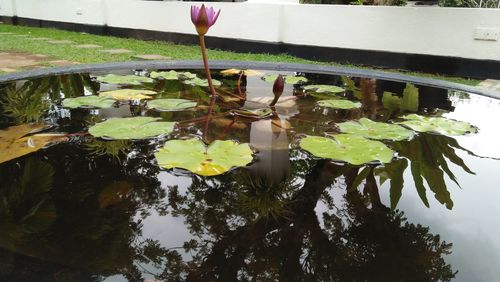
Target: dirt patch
column 18, row 61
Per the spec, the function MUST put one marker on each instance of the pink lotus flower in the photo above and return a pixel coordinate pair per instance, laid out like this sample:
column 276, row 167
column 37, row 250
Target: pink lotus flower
column 203, row 18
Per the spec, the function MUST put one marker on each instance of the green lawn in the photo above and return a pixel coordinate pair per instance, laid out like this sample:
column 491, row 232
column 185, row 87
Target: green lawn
column 139, row 47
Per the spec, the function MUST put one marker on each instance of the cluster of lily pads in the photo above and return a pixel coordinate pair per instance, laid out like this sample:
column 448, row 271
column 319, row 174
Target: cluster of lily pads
column 359, row 142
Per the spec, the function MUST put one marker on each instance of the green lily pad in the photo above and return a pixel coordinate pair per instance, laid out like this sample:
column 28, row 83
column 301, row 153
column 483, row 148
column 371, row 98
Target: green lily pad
column 88, row 102
column 320, row 88
column 376, row 130
column 171, row 104
column 348, row 148
column 192, row 155
column 172, row 75
column 128, row 94
column 339, row 104
column 288, row 79
column 438, row 125
column 257, row 113
column 131, row 128
column 124, row 79
column 201, row 82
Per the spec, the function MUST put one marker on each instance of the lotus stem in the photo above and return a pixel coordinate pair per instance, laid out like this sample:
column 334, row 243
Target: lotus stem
column 205, row 63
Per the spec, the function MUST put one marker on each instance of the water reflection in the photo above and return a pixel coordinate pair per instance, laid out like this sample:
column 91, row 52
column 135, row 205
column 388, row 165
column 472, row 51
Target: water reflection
column 258, row 223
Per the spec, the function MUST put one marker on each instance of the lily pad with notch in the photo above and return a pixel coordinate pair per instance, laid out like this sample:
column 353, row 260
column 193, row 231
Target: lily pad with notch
column 88, row 102
column 171, row 104
column 201, row 82
column 348, row 148
column 376, row 130
column 192, row 154
column 339, row 104
column 439, row 125
column 253, row 114
column 124, row 79
column 172, row 75
column 238, row 71
column 131, row 128
column 128, row 94
column 17, row 141
column 321, row 88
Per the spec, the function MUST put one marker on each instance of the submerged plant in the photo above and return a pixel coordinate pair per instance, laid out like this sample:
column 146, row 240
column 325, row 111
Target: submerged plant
column 27, row 103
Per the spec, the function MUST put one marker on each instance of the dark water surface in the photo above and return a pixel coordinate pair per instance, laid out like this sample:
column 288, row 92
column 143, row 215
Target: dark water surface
column 96, row 210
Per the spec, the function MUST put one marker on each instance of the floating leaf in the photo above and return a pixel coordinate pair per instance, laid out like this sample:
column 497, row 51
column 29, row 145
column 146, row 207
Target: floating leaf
column 131, row 128
column 438, row 125
column 124, row 79
column 88, row 102
column 192, row 155
column 257, row 113
column 339, row 104
column 320, row 88
column 171, row 104
column 14, row 143
column 348, row 148
column 201, row 82
column 238, row 71
column 172, row 75
column 128, row 94
column 376, row 130
column 288, row 79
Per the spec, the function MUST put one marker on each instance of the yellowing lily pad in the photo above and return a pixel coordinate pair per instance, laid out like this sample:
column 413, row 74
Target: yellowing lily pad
column 128, row 94
column 14, row 143
column 288, row 79
column 124, row 79
column 88, row 102
column 172, row 75
column 131, row 128
column 339, row 104
column 376, row 130
column 201, row 82
column 438, row 125
column 348, row 148
column 171, row 104
column 192, row 155
column 238, row 71
column 320, row 88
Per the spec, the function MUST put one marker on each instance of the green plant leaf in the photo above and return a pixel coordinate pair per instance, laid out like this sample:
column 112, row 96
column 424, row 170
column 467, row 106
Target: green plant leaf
column 391, row 101
column 339, row 104
column 348, row 148
column 257, row 113
column 131, row 128
column 192, row 155
column 376, row 130
column 128, row 94
column 321, row 88
column 288, row 79
column 201, row 82
column 88, row 102
column 124, row 79
column 395, row 171
column 438, row 125
column 171, row 104
column 410, row 98
column 172, row 75
column 360, row 177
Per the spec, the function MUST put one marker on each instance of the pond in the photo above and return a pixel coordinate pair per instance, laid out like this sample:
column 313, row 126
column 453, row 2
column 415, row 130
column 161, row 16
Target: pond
column 344, row 179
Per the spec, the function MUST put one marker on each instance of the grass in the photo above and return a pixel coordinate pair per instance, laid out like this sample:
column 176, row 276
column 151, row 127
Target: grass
column 174, row 51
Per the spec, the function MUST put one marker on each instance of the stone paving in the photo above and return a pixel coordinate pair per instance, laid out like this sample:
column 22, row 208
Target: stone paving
column 491, row 84
column 18, row 61
column 116, row 51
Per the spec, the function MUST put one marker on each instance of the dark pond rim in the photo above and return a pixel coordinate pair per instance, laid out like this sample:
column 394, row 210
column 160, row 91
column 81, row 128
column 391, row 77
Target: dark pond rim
column 198, row 64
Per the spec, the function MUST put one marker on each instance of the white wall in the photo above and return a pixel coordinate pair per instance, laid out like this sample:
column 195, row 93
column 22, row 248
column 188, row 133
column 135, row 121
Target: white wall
column 418, row 30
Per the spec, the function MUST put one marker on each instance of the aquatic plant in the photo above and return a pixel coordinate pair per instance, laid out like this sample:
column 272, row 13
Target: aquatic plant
column 203, row 18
